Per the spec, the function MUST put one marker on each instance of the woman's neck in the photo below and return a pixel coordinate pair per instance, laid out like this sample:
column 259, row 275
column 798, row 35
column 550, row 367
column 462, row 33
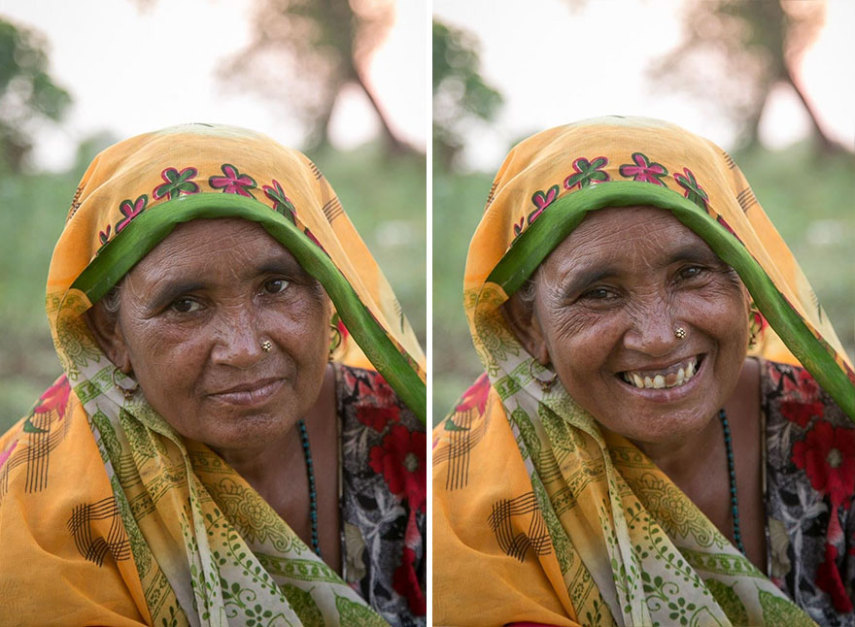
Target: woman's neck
column 699, row 466
column 278, row 472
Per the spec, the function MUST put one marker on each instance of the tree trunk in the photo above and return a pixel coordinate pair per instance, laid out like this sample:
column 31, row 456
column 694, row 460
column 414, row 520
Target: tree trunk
column 827, row 146
column 394, row 144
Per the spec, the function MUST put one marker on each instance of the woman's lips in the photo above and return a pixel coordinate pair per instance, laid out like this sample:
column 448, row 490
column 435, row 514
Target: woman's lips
column 696, row 366
column 249, row 394
column 657, row 378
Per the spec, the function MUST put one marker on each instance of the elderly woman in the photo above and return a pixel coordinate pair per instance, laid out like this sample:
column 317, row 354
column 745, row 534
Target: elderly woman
column 633, row 455
column 238, row 436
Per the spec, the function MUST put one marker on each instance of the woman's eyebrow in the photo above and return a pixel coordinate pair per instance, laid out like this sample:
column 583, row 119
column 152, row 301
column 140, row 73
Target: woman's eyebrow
column 698, row 253
column 581, row 278
column 168, row 290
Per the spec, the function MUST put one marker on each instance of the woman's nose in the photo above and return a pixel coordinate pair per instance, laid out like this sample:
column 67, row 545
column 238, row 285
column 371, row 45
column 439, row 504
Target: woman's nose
column 652, row 331
column 238, row 340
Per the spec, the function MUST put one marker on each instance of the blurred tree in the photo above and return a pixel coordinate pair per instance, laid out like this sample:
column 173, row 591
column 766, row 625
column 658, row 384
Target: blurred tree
column 28, row 95
column 460, row 94
column 739, row 50
column 306, row 52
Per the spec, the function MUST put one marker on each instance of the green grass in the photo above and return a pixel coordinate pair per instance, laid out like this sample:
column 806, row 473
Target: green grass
column 385, row 200
column 810, row 200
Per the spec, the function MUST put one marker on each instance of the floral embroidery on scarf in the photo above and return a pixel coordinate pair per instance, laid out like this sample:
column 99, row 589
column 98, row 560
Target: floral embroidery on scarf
column 233, row 182
column 542, row 201
column 104, row 236
column 587, row 172
column 131, row 210
column 644, row 170
column 693, row 189
column 176, row 183
column 281, row 202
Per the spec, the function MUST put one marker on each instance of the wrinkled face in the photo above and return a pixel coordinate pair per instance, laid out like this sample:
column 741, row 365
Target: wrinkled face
column 607, row 302
column 191, row 321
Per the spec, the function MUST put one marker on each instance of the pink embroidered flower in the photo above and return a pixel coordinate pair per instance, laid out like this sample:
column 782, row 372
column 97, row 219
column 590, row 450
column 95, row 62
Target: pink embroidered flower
column 542, row 201
column 131, row 210
column 827, row 455
column 693, row 190
column 401, row 461
column 104, row 236
column 644, row 170
column 233, row 182
column 281, row 202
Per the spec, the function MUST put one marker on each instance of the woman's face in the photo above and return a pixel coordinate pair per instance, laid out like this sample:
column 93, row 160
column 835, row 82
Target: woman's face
column 191, row 321
column 607, row 302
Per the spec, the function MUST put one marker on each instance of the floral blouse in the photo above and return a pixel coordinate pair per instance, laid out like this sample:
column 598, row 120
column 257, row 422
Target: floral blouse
column 810, row 480
column 383, row 449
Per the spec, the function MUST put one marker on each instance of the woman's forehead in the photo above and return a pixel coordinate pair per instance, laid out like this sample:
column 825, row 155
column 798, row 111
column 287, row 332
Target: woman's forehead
column 635, row 234
column 218, row 244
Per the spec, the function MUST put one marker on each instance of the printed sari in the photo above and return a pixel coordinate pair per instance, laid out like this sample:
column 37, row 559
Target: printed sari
column 541, row 516
column 106, row 513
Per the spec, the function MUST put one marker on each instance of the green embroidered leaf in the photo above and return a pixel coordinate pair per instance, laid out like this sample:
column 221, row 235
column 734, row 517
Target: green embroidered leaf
column 353, row 613
column 729, row 601
column 779, row 611
column 304, row 605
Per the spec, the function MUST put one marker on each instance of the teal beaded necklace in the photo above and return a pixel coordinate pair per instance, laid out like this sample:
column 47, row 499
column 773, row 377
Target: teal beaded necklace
column 731, row 473
column 313, row 495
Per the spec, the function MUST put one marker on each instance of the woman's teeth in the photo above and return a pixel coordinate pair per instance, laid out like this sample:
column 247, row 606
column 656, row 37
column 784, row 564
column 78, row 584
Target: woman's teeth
column 662, row 380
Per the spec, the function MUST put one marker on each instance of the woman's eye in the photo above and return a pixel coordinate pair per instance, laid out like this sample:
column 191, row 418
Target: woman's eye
column 185, row 305
column 276, row 286
column 598, row 293
column 691, row 272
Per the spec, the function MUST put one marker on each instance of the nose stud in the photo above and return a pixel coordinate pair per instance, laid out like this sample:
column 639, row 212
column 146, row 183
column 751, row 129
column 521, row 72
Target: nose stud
column 266, row 346
column 680, row 333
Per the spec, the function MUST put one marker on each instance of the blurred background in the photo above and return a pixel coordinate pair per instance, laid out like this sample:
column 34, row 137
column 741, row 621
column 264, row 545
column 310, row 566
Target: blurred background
column 345, row 81
column 770, row 81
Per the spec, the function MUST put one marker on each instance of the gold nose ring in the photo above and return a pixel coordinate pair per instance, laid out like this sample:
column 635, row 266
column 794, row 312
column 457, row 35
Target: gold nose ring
column 266, row 346
column 680, row 333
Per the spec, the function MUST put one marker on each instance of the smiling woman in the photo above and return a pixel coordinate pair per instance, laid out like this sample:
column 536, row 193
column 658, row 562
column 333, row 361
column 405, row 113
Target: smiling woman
column 661, row 434
column 238, row 436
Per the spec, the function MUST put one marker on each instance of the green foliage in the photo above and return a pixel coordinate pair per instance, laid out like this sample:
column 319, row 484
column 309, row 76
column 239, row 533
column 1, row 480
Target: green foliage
column 458, row 202
column 807, row 199
column 460, row 94
column 386, row 202
column 28, row 95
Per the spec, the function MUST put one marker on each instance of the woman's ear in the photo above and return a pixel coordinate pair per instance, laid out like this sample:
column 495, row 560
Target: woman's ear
column 104, row 325
column 524, row 322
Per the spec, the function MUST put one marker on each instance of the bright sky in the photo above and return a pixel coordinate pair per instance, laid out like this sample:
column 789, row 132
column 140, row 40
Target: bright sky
column 131, row 71
column 555, row 64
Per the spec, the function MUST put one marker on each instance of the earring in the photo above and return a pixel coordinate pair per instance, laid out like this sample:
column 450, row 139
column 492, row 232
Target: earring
column 680, row 333
column 756, row 324
column 128, row 393
column 545, row 385
column 335, row 338
column 266, row 346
